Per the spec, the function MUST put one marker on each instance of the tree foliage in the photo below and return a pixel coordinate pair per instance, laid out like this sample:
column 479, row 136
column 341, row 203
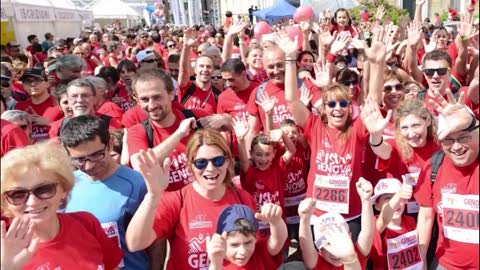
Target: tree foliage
column 393, row 13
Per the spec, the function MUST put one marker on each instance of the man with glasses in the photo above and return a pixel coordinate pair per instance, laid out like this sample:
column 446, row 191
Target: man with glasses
column 109, row 191
column 12, row 47
column 82, row 98
column 452, row 194
column 147, row 59
column 35, row 83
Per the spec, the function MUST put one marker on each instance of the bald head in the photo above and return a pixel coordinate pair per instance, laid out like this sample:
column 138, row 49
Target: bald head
column 274, row 64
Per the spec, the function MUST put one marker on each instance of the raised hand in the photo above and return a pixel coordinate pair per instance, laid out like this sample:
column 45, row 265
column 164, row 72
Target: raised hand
column 415, row 34
column 267, row 103
column 432, row 45
column 17, row 244
column 338, row 241
column 216, row 249
column 466, row 29
column 189, row 37
column 364, row 189
column 406, row 191
column 380, row 13
column 325, row 37
column 186, row 126
column 270, row 213
column 305, row 26
column 420, row 2
column 305, row 209
column 372, row 118
column 275, row 135
column 322, row 75
column 288, row 46
column 238, row 27
column 305, row 95
column 155, row 175
column 377, row 52
column 340, row 43
column 240, row 128
column 454, row 114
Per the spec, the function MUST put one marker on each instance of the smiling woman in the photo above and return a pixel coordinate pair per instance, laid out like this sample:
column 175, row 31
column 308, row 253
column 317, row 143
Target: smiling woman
column 35, row 182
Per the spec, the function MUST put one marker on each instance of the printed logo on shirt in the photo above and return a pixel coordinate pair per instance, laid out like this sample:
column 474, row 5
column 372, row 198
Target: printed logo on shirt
column 334, row 164
column 179, row 171
column 280, row 113
column 197, row 254
column 241, row 116
column 111, row 230
column 449, row 188
column 295, row 182
column 199, row 222
column 240, row 107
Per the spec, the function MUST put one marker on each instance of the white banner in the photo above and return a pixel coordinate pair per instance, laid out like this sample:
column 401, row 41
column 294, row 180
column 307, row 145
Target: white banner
column 178, row 12
column 194, row 12
column 34, row 14
column 4, row 14
column 67, row 15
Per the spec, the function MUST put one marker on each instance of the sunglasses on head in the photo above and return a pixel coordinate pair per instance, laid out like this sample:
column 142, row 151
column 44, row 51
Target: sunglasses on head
column 20, row 196
column 202, row 163
column 333, row 103
column 431, row 71
column 150, row 61
column 389, row 88
column 349, row 82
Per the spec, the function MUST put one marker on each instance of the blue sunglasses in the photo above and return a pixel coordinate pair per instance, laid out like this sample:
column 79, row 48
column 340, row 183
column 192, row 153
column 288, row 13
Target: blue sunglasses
column 202, row 163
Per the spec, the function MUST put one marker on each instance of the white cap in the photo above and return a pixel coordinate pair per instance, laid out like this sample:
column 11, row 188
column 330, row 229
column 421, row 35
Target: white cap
column 386, row 186
column 320, row 222
column 268, row 37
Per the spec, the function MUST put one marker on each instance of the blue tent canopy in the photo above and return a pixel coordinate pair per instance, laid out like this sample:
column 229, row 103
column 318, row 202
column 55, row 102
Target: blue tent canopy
column 282, row 9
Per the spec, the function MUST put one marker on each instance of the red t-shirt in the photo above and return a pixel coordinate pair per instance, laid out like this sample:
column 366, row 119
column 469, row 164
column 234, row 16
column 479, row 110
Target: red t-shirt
column 260, row 260
column 189, row 221
column 235, row 104
column 133, row 116
column 111, row 109
column 55, row 126
column 346, row 29
column 322, row 264
column 335, row 166
column 258, row 77
column 53, row 113
column 137, row 140
column 120, row 96
column 90, row 65
column 80, row 241
column 296, row 184
column 453, row 181
column 378, row 253
column 266, row 187
column 18, row 91
column 200, row 99
column 39, row 132
column 11, row 137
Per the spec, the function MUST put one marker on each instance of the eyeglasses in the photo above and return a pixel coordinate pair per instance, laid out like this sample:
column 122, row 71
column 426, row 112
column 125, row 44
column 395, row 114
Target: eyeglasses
column 171, row 46
column 150, row 61
column 389, row 88
column 462, row 140
column 20, row 196
column 431, row 71
column 349, row 82
column 95, row 157
column 218, row 77
column 202, row 163
column 30, row 82
column 333, row 103
column 82, row 96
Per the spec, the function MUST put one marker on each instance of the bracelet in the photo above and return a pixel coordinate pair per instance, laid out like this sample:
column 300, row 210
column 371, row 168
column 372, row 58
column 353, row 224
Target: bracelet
column 472, row 125
column 376, row 145
column 352, row 262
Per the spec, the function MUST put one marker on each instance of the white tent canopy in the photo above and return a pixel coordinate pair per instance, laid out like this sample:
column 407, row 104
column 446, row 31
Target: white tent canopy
column 114, row 9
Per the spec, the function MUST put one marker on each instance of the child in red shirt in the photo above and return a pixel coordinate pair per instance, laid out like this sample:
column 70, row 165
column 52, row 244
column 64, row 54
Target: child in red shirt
column 235, row 246
column 395, row 245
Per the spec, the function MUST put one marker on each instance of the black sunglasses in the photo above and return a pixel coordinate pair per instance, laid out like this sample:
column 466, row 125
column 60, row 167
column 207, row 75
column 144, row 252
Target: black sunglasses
column 150, row 61
column 349, row 82
column 20, row 196
column 333, row 103
column 171, row 46
column 218, row 77
column 389, row 88
column 202, row 163
column 95, row 157
column 431, row 71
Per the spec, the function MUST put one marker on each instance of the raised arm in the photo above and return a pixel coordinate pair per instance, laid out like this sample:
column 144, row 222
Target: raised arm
column 473, row 88
column 234, row 29
column 418, row 11
column 241, row 129
column 189, row 40
column 376, row 55
column 140, row 233
column 309, row 253
column 272, row 214
column 415, row 35
column 375, row 123
column 267, row 103
column 299, row 111
column 387, row 211
column 365, row 237
column 466, row 32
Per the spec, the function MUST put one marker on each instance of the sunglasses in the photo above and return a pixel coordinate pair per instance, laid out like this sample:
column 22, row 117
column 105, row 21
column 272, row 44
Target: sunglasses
column 202, row 163
column 431, row 71
column 20, row 196
column 95, row 157
column 150, row 61
column 389, row 88
column 171, row 46
column 218, row 77
column 333, row 103
column 349, row 82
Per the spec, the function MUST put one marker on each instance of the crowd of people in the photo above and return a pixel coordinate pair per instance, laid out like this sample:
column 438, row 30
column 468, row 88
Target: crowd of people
column 356, row 149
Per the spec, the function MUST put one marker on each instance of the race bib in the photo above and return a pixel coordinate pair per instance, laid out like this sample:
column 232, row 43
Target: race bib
column 403, row 252
column 332, row 193
column 111, row 230
column 460, row 217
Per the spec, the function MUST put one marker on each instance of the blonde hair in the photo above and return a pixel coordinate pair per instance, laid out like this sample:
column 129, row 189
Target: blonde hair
column 417, row 108
column 337, row 92
column 45, row 156
column 211, row 137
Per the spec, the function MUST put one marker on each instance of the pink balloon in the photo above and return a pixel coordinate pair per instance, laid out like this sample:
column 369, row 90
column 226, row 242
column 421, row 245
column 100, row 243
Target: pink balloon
column 303, row 11
column 294, row 31
column 260, row 29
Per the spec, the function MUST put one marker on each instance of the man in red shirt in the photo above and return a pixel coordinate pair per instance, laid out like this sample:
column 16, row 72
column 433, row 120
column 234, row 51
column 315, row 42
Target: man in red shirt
column 11, row 135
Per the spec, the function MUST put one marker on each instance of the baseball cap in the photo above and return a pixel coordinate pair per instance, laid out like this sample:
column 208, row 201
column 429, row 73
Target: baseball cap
column 33, row 72
column 320, row 222
column 210, row 51
column 145, row 55
column 386, row 186
column 229, row 215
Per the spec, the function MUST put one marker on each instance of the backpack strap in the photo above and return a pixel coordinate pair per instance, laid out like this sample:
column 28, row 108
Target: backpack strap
column 189, row 93
column 435, row 163
column 149, row 131
column 188, row 113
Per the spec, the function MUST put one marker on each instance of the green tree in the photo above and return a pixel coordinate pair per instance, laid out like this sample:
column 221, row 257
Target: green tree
column 393, row 13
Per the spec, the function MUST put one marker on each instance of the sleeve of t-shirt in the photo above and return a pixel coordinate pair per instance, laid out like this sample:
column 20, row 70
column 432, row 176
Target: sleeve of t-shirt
column 128, row 119
column 136, row 139
column 182, row 91
column 168, row 214
column 383, row 164
column 309, row 126
column 112, row 254
column 54, row 129
column 252, row 107
column 15, row 138
column 423, row 190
